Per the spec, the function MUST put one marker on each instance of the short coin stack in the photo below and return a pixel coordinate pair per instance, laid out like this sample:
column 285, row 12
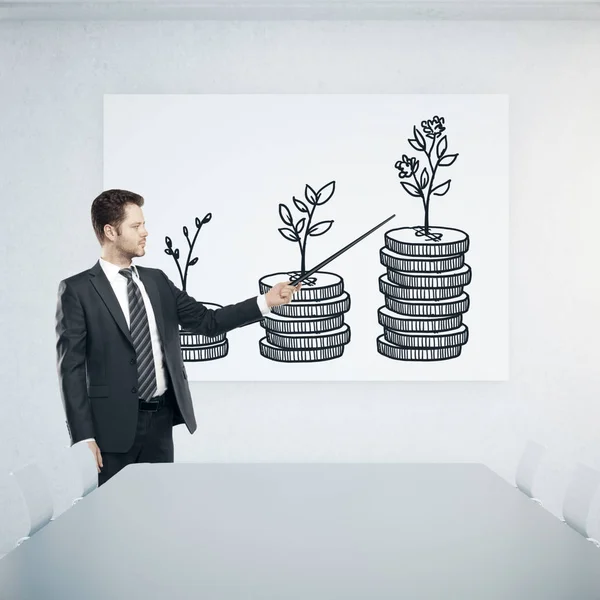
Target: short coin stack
column 311, row 327
column 424, row 293
column 196, row 347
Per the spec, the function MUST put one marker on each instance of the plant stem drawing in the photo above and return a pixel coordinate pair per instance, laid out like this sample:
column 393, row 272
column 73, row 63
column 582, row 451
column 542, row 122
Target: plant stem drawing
column 426, row 271
column 196, row 347
column 175, row 253
column 408, row 168
column 301, row 230
column 311, row 328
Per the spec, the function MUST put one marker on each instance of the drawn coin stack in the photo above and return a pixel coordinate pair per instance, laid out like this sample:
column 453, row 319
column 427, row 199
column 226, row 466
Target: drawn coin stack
column 426, row 271
column 196, row 347
column 424, row 293
column 311, row 328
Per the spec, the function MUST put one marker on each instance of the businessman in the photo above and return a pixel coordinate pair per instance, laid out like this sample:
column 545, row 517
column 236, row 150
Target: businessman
column 122, row 378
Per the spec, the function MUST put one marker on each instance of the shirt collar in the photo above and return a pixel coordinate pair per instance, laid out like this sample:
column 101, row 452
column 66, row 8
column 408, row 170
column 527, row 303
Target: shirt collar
column 112, row 271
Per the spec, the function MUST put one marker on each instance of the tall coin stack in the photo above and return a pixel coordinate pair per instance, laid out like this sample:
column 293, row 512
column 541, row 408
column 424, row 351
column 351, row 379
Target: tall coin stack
column 424, row 293
column 311, row 327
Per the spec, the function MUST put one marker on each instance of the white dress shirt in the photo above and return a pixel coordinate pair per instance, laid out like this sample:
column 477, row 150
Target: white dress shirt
column 119, row 286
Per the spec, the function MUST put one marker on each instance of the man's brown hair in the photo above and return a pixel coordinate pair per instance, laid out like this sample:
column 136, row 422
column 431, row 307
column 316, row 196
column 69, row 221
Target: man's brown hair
column 109, row 209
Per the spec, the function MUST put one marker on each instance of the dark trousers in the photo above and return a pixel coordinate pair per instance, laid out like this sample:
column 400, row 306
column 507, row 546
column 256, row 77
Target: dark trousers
column 153, row 442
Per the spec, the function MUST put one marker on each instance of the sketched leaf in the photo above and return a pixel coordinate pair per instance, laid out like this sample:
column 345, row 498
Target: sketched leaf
column 447, row 160
column 424, row 178
column 320, row 228
column 300, row 225
column 168, row 242
column 419, row 138
column 300, row 205
column 310, row 194
column 440, row 190
column 176, row 253
column 168, row 251
column 413, row 190
column 207, row 218
column 285, row 214
column 197, row 222
column 185, row 231
column 193, row 261
column 441, row 147
column 288, row 234
column 325, row 193
column 415, row 145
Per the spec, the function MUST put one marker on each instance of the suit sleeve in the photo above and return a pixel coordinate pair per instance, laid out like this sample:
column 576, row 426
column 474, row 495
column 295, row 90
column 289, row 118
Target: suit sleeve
column 70, row 353
column 262, row 305
column 195, row 317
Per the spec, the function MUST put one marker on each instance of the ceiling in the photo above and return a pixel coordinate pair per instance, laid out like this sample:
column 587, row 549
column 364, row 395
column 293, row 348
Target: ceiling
column 582, row 10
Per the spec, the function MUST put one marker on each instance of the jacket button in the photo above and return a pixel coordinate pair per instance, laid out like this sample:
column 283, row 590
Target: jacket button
column 132, row 361
column 134, row 390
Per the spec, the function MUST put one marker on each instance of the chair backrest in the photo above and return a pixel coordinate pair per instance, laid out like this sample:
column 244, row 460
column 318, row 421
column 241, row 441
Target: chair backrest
column 37, row 496
column 528, row 466
column 85, row 464
column 579, row 496
column 10, row 515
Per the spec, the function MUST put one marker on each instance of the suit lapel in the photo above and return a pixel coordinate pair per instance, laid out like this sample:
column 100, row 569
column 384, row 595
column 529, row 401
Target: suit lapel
column 104, row 289
column 154, row 295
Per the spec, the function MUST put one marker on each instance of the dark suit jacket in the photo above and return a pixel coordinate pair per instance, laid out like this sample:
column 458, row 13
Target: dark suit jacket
column 96, row 359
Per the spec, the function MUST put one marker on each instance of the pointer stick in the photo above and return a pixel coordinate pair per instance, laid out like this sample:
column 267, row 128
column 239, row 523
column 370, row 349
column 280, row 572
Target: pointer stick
column 334, row 256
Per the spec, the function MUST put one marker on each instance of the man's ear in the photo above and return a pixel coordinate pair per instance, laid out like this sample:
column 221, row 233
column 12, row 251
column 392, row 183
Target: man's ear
column 110, row 232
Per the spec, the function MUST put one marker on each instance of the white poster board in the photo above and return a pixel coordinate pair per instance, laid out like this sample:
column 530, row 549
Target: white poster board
column 423, row 298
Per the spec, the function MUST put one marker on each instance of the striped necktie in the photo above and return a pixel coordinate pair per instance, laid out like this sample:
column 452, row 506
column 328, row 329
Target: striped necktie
column 140, row 334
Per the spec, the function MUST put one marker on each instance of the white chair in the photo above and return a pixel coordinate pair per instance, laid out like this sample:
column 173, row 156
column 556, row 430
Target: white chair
column 578, row 499
column 85, row 465
column 10, row 493
column 38, row 498
column 528, row 467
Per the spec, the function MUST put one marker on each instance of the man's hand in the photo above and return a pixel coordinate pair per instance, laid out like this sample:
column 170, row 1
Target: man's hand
column 281, row 293
column 97, row 456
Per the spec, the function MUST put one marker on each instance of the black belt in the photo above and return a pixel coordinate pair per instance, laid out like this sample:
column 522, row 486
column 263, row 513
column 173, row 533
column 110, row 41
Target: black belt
column 155, row 403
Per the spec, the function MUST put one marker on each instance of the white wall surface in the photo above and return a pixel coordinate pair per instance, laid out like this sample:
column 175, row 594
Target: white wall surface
column 52, row 80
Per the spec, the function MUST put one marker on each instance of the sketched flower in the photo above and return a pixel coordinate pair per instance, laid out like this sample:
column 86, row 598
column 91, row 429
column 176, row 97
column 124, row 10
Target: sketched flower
column 407, row 167
column 433, row 128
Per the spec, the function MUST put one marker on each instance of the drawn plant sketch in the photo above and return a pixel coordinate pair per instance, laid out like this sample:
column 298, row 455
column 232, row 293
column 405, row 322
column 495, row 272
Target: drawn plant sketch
column 196, row 347
column 311, row 328
column 426, row 271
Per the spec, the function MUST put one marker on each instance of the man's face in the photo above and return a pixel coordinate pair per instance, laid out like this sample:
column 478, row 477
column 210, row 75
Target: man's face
column 132, row 238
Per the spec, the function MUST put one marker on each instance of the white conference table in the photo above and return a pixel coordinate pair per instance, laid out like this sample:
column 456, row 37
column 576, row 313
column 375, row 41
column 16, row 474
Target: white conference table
column 304, row 532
